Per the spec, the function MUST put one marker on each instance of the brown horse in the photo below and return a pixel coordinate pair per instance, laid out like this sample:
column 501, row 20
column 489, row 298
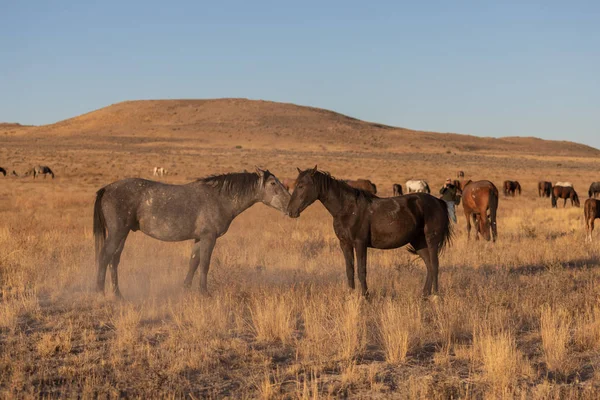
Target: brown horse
column 562, row 192
column 362, row 220
column 397, row 189
column 511, row 188
column 363, row 184
column 544, row 189
column 480, row 202
column 591, row 210
column 460, row 174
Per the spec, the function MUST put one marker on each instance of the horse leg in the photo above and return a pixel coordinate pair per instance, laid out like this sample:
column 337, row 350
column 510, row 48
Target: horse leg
column 114, row 268
column 565, row 203
column 591, row 223
column 476, row 223
column 111, row 245
column 468, row 218
column 420, row 246
column 201, row 254
column 361, row 261
column 348, row 251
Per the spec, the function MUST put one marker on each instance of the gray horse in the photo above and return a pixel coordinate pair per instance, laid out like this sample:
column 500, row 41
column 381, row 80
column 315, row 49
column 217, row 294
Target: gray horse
column 39, row 170
column 200, row 210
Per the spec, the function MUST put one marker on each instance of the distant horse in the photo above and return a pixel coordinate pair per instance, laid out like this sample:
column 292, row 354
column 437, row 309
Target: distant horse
column 160, row 171
column 564, row 192
column 544, row 189
column 480, row 202
column 289, row 183
column 591, row 210
column 460, row 174
column 39, row 170
column 362, row 220
column 511, row 188
column 397, row 189
column 417, row 186
column 594, row 189
column 14, row 173
column 2, row 171
column 200, row 210
column 363, row 184
column 564, row 184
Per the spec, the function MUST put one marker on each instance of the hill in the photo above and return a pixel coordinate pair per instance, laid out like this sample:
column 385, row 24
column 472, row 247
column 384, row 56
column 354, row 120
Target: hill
column 266, row 124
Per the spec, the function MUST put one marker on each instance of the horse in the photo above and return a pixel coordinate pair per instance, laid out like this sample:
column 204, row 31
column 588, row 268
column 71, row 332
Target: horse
column 460, row 174
column 201, row 210
column 480, row 202
column 39, row 170
column 544, row 189
column 397, row 188
column 417, row 186
column 362, row 220
column 363, row 184
column 564, row 192
column 564, row 184
column 511, row 188
column 591, row 211
column 2, row 171
column 594, row 189
column 160, row 171
column 289, row 183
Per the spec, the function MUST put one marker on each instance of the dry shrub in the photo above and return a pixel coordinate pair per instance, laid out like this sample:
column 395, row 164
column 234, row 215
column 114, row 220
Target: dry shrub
column 400, row 329
column 555, row 329
column 273, row 317
column 125, row 322
column 587, row 330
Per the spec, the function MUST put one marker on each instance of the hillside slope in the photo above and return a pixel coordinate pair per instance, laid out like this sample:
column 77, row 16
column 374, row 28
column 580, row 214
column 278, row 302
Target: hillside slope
column 263, row 124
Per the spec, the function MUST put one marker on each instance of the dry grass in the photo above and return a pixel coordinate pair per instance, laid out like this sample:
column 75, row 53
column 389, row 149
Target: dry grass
column 520, row 318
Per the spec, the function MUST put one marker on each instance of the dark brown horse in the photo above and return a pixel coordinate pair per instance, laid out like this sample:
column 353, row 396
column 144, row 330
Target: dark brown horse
column 460, row 174
column 591, row 210
column 397, row 189
column 564, row 192
column 201, row 210
column 362, row 184
column 362, row 220
column 511, row 188
column 544, row 189
column 480, row 202
column 594, row 189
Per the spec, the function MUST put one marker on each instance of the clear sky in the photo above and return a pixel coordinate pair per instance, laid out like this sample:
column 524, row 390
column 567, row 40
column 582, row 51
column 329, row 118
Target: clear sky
column 488, row 68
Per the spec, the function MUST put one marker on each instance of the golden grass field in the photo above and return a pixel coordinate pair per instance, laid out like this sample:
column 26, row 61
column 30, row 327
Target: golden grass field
column 519, row 318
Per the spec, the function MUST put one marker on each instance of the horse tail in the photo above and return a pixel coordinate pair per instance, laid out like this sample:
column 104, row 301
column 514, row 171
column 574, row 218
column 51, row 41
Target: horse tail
column 99, row 224
column 519, row 188
column 427, row 190
column 447, row 231
column 590, row 193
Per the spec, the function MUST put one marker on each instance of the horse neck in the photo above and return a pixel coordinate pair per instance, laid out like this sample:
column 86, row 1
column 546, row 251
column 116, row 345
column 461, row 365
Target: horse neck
column 336, row 201
column 236, row 202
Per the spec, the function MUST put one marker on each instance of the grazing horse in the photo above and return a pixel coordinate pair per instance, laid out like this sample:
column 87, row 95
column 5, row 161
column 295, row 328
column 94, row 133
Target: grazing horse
column 594, row 189
column 511, row 188
column 160, row 171
column 39, row 170
column 363, row 184
column 417, row 186
column 2, row 171
column 460, row 174
column 591, row 210
column 480, row 202
column 362, row 220
column 397, row 188
column 564, row 192
column 289, row 183
column 200, row 210
column 544, row 189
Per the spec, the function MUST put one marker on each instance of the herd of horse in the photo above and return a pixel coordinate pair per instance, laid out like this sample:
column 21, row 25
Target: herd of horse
column 33, row 171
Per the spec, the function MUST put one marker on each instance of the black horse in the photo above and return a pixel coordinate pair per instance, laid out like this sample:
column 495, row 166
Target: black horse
column 594, row 189
column 362, row 220
column 2, row 171
column 201, row 210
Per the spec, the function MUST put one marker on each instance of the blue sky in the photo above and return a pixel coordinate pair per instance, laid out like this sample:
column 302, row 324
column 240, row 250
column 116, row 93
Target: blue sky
column 477, row 67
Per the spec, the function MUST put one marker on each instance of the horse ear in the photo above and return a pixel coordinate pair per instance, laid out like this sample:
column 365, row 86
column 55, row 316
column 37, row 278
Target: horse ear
column 260, row 172
column 299, row 170
column 312, row 172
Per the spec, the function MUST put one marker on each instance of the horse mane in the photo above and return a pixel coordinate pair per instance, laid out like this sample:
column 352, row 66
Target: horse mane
column 234, row 182
column 324, row 182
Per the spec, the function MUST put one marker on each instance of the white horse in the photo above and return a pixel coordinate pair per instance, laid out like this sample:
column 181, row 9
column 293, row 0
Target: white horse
column 417, row 185
column 160, row 171
column 564, row 184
